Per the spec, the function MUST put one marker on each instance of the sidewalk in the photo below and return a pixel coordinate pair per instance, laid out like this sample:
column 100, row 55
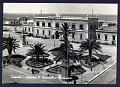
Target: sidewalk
column 108, row 77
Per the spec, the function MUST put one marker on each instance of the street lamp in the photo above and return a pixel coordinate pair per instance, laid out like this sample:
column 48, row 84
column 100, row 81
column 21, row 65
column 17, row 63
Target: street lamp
column 54, row 39
column 24, row 37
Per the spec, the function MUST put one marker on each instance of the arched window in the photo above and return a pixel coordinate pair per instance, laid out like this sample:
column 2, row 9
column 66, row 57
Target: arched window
column 37, row 31
column 49, row 32
column 49, row 24
column 98, row 36
column 57, row 25
column 106, row 38
column 37, row 23
column 43, row 32
column 81, row 36
column 113, row 37
column 43, row 24
column 81, row 27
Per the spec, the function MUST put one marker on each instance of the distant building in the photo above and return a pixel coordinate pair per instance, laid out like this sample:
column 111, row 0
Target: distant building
column 28, row 27
column 11, row 24
column 107, row 35
column 23, row 19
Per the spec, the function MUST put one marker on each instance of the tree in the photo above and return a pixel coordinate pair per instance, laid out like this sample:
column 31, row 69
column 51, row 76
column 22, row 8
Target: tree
column 38, row 51
column 90, row 45
column 10, row 44
column 65, row 31
column 61, row 55
column 65, row 51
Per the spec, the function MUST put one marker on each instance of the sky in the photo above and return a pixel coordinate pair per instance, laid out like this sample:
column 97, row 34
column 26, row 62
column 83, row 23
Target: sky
column 61, row 8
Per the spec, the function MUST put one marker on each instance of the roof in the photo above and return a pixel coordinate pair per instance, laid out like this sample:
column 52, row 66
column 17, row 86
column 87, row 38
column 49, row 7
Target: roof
column 10, row 19
column 27, row 24
column 63, row 18
column 108, row 29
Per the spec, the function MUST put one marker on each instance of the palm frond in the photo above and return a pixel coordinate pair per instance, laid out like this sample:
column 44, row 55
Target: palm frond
column 10, row 43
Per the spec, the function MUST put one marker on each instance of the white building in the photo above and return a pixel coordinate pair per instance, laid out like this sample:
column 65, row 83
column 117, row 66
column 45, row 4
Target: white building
column 107, row 35
column 47, row 26
column 83, row 27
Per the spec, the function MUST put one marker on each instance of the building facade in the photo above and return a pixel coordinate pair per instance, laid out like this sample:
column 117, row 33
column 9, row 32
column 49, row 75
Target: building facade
column 11, row 24
column 28, row 28
column 82, row 28
column 107, row 35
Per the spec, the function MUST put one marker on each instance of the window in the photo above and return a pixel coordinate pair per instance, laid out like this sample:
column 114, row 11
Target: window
column 81, row 27
column 81, row 36
column 25, row 28
column 25, row 22
column 43, row 32
column 43, row 24
column 49, row 32
column 29, row 29
column 73, row 26
column 90, row 37
column 98, row 36
column 37, row 23
column 37, row 31
column 113, row 37
column 73, row 35
column 106, row 37
column 57, row 25
column 91, row 27
column 49, row 24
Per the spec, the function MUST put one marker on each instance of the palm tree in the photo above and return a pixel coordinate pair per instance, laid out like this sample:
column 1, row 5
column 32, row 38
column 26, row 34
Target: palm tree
column 65, row 31
column 60, row 54
column 90, row 45
column 10, row 44
column 38, row 51
column 65, row 51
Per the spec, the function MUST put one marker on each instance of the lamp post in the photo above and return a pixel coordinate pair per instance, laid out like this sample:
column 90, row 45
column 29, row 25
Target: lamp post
column 24, row 38
column 54, row 39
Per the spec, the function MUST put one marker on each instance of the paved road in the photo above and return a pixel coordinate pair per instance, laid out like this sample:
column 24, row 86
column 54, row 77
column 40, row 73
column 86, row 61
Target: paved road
column 108, row 77
column 12, row 74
